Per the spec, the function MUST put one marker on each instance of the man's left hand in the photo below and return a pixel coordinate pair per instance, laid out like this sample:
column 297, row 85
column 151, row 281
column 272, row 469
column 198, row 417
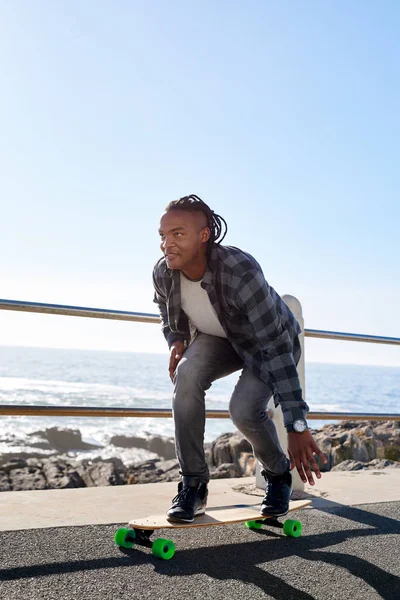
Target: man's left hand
column 301, row 448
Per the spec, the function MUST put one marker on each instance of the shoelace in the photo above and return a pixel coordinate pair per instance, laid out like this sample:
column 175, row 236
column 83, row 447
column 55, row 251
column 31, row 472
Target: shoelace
column 267, row 493
column 185, row 495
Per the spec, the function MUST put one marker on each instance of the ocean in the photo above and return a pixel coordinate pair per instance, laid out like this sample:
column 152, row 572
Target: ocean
column 119, row 379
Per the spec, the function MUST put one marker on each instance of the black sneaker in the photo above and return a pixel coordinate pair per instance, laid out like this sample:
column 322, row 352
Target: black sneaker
column 190, row 502
column 277, row 494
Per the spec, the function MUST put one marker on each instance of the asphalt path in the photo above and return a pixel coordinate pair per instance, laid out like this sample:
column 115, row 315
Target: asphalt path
column 344, row 552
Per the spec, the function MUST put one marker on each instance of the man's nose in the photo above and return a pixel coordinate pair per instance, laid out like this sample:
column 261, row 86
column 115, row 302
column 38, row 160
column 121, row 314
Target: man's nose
column 167, row 243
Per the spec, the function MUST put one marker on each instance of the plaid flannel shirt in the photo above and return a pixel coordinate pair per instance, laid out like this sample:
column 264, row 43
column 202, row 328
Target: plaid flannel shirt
column 257, row 322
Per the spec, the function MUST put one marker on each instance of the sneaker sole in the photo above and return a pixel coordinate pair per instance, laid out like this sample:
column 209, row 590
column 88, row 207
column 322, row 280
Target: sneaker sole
column 274, row 515
column 199, row 512
column 177, row 520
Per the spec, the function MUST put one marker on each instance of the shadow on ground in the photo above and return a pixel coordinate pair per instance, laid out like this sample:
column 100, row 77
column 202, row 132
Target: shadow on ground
column 241, row 559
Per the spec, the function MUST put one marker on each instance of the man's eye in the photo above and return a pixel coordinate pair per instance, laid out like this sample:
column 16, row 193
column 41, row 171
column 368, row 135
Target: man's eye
column 178, row 233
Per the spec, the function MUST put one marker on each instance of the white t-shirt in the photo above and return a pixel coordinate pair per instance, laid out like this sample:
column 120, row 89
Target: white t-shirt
column 197, row 306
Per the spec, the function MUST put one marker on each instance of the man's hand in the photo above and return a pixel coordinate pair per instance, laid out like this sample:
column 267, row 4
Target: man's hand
column 301, row 448
column 175, row 356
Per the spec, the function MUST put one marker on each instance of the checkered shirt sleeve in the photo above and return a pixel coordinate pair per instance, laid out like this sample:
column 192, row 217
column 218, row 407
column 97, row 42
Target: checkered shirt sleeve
column 275, row 352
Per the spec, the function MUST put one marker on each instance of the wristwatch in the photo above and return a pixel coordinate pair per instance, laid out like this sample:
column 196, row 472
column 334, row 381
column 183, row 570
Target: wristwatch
column 298, row 426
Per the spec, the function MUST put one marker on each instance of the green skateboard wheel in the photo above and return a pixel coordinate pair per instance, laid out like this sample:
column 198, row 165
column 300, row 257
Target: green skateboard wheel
column 254, row 524
column 164, row 549
column 292, row 528
column 125, row 538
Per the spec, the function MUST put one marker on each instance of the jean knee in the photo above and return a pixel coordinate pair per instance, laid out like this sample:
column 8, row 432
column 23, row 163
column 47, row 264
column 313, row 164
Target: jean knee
column 242, row 415
column 188, row 376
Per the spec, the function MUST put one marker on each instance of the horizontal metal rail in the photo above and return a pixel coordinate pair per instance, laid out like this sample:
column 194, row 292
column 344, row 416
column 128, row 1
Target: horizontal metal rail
column 351, row 337
column 99, row 313
column 121, row 315
column 93, row 411
column 78, row 311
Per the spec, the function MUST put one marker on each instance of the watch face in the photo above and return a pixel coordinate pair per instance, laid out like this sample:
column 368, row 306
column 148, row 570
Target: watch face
column 299, row 425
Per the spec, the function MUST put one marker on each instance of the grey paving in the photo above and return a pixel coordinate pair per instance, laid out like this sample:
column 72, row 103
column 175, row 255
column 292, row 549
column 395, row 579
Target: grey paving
column 345, row 552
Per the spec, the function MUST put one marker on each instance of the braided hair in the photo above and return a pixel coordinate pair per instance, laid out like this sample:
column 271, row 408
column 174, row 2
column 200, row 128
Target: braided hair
column 215, row 222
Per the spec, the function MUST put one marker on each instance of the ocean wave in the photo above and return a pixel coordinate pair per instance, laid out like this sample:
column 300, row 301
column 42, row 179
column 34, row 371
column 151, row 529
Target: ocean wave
column 37, row 389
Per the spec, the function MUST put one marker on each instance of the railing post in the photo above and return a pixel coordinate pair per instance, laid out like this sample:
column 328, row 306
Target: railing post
column 276, row 413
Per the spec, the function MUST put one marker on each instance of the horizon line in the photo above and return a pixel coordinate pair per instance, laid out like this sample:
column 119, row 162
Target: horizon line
column 318, row 362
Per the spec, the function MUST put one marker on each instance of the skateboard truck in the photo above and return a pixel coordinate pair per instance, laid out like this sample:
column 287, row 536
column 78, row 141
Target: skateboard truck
column 127, row 538
column 273, row 522
column 140, row 537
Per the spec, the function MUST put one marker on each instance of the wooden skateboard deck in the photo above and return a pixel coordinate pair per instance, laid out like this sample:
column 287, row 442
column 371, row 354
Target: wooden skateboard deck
column 140, row 530
column 220, row 515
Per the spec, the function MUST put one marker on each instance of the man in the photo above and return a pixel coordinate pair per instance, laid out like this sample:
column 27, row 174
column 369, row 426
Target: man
column 219, row 315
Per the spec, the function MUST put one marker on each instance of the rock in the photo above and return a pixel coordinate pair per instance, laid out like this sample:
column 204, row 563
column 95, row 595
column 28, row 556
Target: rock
column 63, row 439
column 358, row 441
column 392, row 451
column 349, row 465
column 35, row 462
column 168, row 465
column 356, row 465
column 101, row 474
column 247, row 463
column 146, row 466
column 153, row 471
column 117, row 462
column 63, row 472
column 28, row 478
column 60, row 475
column 37, row 441
column 208, row 453
column 221, row 450
column 25, row 454
column 160, row 445
column 341, row 453
column 225, row 471
column 164, row 447
column 5, row 485
column 348, row 446
column 228, row 448
column 14, row 463
column 382, row 463
column 387, row 431
column 230, row 455
column 128, row 441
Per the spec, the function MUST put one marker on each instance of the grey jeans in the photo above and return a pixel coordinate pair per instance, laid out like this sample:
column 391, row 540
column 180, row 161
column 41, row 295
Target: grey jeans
column 209, row 358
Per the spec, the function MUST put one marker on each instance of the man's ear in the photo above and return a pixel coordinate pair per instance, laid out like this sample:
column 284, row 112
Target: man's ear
column 205, row 234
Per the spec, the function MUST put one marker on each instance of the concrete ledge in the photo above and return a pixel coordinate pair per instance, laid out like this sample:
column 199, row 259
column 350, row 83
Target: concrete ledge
column 120, row 504
column 356, row 487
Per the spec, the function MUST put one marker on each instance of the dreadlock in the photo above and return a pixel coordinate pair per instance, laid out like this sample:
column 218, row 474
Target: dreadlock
column 215, row 222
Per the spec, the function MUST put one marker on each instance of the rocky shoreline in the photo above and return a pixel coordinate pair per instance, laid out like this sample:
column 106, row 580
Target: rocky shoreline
column 56, row 459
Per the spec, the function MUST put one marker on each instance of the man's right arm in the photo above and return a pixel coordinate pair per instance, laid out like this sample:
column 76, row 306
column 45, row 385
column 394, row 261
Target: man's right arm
column 160, row 300
column 175, row 340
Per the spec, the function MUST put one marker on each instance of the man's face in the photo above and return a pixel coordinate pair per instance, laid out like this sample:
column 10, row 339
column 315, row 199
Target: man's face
column 184, row 237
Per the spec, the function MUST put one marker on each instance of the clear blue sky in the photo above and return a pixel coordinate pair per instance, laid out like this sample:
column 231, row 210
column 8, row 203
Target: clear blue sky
column 284, row 117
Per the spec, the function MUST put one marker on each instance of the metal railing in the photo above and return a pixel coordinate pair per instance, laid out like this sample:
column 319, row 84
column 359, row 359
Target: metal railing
column 78, row 311
column 94, row 411
column 99, row 313
column 123, row 315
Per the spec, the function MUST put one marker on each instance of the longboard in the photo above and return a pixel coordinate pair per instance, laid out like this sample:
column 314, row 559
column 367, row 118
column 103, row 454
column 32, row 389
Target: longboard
column 140, row 530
